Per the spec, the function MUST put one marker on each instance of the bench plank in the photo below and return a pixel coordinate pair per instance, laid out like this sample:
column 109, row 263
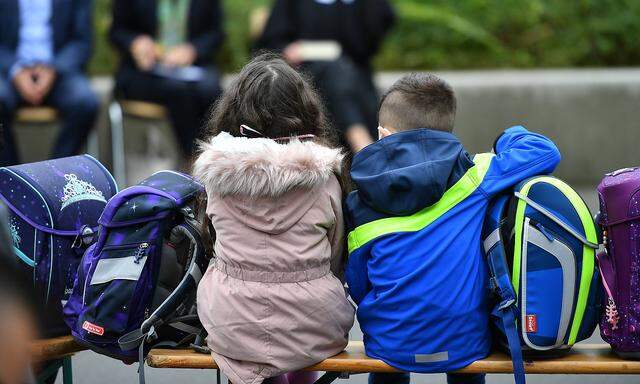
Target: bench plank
column 583, row 359
column 54, row 348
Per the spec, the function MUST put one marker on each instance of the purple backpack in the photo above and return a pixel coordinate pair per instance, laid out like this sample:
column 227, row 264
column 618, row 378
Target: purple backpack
column 136, row 284
column 54, row 209
column 619, row 218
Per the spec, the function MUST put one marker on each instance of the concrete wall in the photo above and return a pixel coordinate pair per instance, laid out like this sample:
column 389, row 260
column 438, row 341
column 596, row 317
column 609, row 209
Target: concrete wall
column 593, row 116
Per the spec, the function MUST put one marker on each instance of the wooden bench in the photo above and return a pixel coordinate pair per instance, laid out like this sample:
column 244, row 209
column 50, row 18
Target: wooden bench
column 583, row 359
column 58, row 352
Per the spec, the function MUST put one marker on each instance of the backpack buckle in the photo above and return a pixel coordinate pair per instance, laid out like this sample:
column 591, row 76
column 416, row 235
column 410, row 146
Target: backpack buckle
column 84, row 237
column 506, row 304
column 151, row 335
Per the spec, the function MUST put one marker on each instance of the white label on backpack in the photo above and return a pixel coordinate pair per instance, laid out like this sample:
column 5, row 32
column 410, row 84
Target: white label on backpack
column 123, row 268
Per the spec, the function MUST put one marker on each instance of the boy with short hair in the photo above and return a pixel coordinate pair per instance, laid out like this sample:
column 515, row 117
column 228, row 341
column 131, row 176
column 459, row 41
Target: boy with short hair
column 415, row 268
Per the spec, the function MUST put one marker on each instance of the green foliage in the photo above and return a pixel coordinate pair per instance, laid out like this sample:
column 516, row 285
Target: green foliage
column 463, row 34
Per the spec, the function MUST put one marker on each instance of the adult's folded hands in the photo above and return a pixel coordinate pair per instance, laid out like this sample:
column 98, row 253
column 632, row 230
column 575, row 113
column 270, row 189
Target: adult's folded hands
column 181, row 55
column 34, row 83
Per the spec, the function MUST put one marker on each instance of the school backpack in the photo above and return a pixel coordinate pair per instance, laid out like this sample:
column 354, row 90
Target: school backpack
column 136, row 285
column 54, row 208
column 540, row 243
column 619, row 218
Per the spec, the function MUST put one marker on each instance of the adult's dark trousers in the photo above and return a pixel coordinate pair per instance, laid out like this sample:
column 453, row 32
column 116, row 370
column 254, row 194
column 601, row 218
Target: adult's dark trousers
column 348, row 92
column 186, row 101
column 76, row 104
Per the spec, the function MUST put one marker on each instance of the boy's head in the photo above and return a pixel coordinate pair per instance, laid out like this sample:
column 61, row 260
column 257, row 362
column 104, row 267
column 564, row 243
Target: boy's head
column 418, row 100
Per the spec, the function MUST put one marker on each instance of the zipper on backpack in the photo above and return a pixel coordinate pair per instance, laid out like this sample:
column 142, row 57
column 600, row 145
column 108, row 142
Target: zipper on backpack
column 140, row 252
column 611, row 309
column 122, row 246
column 544, row 231
column 550, row 234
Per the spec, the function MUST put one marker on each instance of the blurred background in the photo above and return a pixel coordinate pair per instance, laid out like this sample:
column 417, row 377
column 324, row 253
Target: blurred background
column 463, row 34
column 565, row 68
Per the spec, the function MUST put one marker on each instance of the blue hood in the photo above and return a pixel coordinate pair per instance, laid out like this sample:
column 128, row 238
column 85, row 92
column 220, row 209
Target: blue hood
column 408, row 171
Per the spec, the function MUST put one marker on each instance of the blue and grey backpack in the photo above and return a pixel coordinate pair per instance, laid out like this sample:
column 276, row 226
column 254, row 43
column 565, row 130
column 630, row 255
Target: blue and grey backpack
column 136, row 285
column 540, row 244
column 54, row 208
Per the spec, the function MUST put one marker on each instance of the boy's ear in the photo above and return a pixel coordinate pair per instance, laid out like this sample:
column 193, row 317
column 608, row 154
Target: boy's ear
column 383, row 132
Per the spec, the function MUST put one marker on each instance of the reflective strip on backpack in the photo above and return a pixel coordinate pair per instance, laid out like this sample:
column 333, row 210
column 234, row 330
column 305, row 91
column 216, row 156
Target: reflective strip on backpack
column 588, row 253
column 462, row 189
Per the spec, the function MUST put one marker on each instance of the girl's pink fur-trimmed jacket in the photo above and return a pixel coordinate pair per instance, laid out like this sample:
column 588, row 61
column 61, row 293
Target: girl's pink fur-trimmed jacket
column 271, row 301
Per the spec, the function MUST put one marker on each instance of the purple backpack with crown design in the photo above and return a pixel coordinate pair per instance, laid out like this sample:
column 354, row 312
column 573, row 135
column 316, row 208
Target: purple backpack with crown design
column 54, row 208
column 619, row 194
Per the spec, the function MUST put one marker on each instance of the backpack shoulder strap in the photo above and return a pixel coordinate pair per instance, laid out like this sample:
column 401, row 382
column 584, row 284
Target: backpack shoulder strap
column 500, row 281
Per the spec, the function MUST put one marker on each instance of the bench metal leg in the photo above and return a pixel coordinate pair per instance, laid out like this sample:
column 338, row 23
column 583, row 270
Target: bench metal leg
column 67, row 371
column 48, row 375
column 328, row 378
column 116, row 125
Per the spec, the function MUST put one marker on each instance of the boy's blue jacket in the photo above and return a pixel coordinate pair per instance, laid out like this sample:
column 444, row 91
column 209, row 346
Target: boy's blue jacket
column 415, row 268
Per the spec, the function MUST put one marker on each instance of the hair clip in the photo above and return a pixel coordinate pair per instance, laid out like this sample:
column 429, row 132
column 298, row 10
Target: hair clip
column 247, row 131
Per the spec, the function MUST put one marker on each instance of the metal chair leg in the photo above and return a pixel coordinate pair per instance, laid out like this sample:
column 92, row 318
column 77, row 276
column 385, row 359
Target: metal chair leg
column 93, row 144
column 117, row 143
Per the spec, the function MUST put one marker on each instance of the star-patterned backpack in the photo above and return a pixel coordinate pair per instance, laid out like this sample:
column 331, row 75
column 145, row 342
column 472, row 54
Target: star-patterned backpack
column 54, row 208
column 540, row 242
column 136, row 285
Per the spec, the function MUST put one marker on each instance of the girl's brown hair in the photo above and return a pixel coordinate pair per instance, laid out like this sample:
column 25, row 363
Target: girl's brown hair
column 273, row 98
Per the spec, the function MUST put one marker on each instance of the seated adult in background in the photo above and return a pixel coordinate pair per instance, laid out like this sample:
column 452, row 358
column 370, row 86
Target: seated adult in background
column 44, row 47
column 167, row 57
column 345, row 81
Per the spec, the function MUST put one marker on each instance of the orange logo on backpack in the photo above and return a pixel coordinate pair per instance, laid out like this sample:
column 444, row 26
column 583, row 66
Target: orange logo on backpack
column 92, row 328
column 531, row 325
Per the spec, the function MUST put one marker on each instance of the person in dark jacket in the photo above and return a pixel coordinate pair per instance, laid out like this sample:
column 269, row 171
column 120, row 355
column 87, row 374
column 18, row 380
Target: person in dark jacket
column 358, row 26
column 44, row 47
column 167, row 52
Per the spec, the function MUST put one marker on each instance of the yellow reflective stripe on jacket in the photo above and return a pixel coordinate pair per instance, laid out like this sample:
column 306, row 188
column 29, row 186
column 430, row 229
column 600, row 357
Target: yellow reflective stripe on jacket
column 464, row 187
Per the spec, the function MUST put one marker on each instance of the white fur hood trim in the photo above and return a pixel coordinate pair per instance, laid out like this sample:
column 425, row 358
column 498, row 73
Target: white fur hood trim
column 261, row 167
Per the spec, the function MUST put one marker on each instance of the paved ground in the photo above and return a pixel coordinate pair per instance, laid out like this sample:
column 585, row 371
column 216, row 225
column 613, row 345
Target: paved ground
column 91, row 368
